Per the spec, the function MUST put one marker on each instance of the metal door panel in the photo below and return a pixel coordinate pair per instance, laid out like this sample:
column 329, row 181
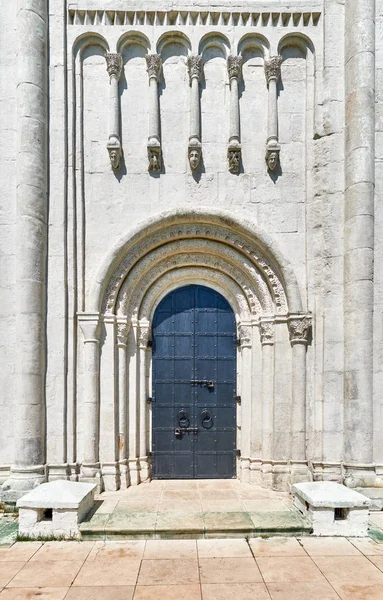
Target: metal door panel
column 194, row 386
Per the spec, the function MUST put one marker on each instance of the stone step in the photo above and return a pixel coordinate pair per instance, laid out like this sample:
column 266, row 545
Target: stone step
column 127, row 525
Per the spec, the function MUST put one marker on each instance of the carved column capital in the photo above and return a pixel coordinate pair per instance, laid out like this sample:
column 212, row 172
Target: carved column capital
column 195, row 67
column 234, row 66
column 154, row 66
column 90, row 326
column 114, row 64
column 273, row 68
column 266, row 330
column 122, row 332
column 245, row 335
column 299, row 328
column 143, row 334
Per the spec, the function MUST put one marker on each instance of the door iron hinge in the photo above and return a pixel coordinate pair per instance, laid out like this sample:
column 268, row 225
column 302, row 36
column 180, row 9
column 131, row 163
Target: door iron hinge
column 149, row 400
column 238, row 452
column 150, row 344
column 238, row 399
column 238, row 342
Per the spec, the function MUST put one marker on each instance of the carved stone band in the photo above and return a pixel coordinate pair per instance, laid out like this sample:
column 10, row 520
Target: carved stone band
column 299, row 328
column 154, row 65
column 195, row 67
column 234, row 66
column 273, row 68
column 114, row 64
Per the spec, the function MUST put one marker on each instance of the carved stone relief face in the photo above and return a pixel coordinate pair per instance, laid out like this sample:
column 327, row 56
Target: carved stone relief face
column 234, row 161
column 154, row 161
column 114, row 159
column 272, row 160
column 194, row 158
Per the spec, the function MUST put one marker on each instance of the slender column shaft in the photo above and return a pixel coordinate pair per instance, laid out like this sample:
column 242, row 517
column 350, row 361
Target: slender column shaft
column 195, row 113
column 154, row 110
column 114, row 67
column 133, row 405
column 122, row 333
column 154, row 66
column 273, row 73
column 113, row 115
column 195, row 67
column 234, row 67
column 143, row 444
column 245, row 333
column 299, row 327
column 267, row 340
column 359, row 230
column 272, row 128
column 30, row 246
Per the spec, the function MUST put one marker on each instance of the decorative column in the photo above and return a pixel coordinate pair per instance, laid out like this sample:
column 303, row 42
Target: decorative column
column 134, row 474
column 299, row 328
column 114, row 66
column 31, row 249
column 154, row 67
column 143, row 338
column 273, row 73
column 122, row 336
column 90, row 467
column 234, row 68
column 266, row 329
column 195, row 68
column 245, row 336
column 359, row 241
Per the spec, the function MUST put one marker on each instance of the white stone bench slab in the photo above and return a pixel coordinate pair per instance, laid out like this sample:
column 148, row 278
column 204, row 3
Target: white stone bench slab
column 55, row 509
column 333, row 509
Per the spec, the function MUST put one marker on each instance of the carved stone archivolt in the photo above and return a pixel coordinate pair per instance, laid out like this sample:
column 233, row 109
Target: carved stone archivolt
column 202, row 231
column 299, row 328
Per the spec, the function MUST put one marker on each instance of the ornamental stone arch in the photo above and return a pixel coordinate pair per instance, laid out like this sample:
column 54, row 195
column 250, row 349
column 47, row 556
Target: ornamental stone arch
column 241, row 262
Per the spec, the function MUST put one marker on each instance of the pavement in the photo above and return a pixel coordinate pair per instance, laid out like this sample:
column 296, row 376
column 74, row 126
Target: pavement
column 278, row 568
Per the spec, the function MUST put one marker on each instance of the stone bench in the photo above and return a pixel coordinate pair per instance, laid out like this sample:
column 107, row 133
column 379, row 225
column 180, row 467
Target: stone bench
column 333, row 509
column 55, row 509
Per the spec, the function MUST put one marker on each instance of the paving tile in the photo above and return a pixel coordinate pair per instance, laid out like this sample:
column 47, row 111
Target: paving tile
column 131, row 522
column 218, row 494
column 20, row 551
column 265, row 505
column 179, row 495
column 137, row 505
column 285, row 569
column 371, row 591
column 367, row 546
column 223, row 549
column 214, row 484
column 8, row 570
column 348, row 569
column 109, row 550
column 274, row 521
column 53, row 593
column 46, row 574
column 115, row 592
column 328, row 546
column 111, row 571
column 95, row 522
column 229, row 570
column 106, row 507
column 304, row 590
column 377, row 518
column 168, row 572
column 185, row 506
column 237, row 591
column 222, row 506
column 377, row 561
column 63, row 551
column 168, row 592
column 170, row 549
column 233, row 521
column 179, row 522
column 276, row 546
column 179, row 484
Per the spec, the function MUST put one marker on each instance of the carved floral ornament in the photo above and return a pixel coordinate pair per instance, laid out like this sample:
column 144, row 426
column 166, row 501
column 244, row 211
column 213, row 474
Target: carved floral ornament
column 266, row 330
column 122, row 332
column 234, row 66
column 195, row 67
column 245, row 334
column 273, row 68
column 154, row 66
column 143, row 334
column 114, row 64
column 299, row 328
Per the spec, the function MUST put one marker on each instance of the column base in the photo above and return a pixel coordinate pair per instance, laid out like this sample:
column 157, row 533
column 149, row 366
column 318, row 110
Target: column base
column 134, row 472
column 124, row 474
column 56, row 472
column 91, row 473
column 327, row 472
column 145, row 469
column 21, row 481
column 110, row 473
column 299, row 472
column 359, row 476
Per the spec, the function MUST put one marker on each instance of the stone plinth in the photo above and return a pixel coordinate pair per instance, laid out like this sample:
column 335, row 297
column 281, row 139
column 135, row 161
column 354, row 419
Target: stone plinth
column 333, row 509
column 55, row 509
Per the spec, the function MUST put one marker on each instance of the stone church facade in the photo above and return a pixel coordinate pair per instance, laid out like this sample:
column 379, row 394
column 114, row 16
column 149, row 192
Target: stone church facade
column 149, row 147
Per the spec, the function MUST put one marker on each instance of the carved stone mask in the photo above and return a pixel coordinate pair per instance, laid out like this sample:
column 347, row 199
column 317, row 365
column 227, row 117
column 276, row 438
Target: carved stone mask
column 114, row 159
column 154, row 163
column 234, row 161
column 194, row 158
column 272, row 160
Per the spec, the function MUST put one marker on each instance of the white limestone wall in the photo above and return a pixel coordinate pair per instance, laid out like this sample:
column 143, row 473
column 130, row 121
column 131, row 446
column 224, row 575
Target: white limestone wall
column 7, row 223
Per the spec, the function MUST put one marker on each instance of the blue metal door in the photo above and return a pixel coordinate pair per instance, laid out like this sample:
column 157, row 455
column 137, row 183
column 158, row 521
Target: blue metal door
column 194, row 386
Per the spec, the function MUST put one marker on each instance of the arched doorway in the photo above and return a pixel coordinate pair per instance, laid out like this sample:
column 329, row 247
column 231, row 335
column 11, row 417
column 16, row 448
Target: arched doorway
column 194, row 386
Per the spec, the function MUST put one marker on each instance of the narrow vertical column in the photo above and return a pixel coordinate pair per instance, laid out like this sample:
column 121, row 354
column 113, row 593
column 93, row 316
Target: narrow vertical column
column 90, row 327
column 114, row 67
column 359, row 241
column 122, row 335
column 299, row 328
column 273, row 73
column 234, row 68
column 31, row 248
column 266, row 329
column 134, row 474
column 154, row 67
column 143, row 338
column 195, row 68
column 245, row 335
